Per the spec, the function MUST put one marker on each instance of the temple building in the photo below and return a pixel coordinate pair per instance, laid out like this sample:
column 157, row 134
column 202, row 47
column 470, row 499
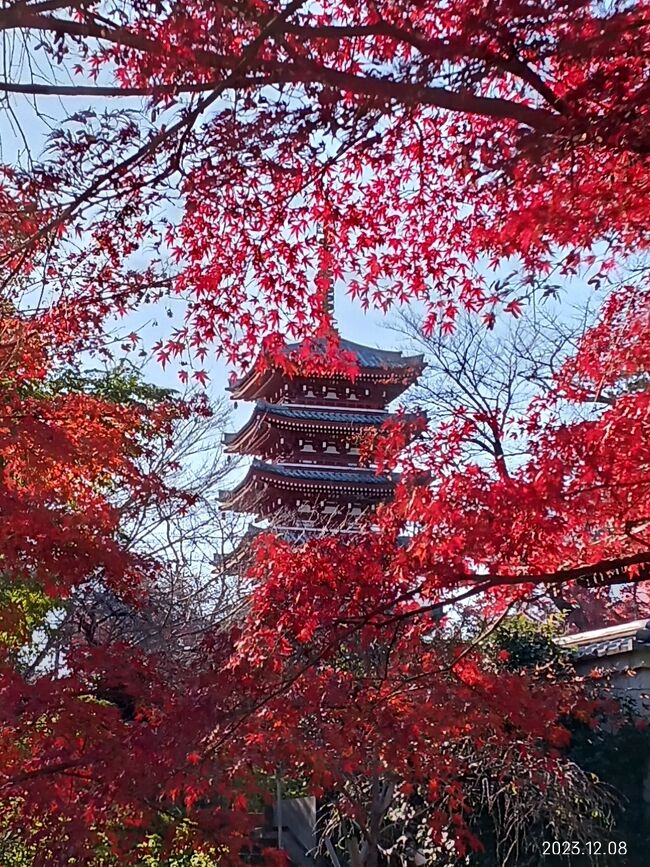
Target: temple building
column 304, row 434
column 307, row 479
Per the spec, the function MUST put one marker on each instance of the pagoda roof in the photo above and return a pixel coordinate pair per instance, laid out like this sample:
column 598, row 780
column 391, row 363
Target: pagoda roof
column 369, row 360
column 372, row 359
column 294, row 534
column 323, row 413
column 327, row 474
column 293, row 416
column 302, row 477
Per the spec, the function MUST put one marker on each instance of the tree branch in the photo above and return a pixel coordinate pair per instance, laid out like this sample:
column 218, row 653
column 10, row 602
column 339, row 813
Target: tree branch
column 91, row 90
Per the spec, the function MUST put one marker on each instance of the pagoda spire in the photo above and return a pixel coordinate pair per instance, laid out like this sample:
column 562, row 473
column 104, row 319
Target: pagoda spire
column 328, row 278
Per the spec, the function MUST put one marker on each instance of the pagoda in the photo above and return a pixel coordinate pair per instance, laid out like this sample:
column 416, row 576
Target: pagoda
column 304, row 434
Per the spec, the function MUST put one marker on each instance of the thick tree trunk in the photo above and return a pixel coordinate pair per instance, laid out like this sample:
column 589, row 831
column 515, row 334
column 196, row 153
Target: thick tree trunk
column 372, row 859
column 382, row 795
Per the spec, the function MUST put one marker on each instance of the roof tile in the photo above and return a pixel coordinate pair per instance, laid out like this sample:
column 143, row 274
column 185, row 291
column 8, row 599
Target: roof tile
column 321, row 474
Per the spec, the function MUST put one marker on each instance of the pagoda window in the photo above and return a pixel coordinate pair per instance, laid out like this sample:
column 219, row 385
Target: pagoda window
column 331, row 392
column 307, row 447
column 331, row 449
column 354, row 450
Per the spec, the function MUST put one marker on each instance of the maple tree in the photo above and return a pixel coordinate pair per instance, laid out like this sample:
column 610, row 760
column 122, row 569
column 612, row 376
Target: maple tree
column 512, row 797
column 488, row 380
column 427, row 140
column 59, row 455
column 180, row 531
column 71, row 458
column 321, row 627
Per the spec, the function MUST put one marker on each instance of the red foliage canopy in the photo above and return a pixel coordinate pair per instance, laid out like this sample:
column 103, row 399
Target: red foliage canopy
column 428, row 140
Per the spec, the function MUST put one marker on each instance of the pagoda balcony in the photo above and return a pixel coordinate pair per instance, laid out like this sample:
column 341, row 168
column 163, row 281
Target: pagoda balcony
column 277, row 428
column 269, row 488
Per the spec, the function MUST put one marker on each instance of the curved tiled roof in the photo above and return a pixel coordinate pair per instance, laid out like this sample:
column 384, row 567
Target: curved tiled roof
column 283, row 414
column 323, row 415
column 310, row 413
column 370, row 358
column 321, row 474
column 317, row 476
column 609, row 641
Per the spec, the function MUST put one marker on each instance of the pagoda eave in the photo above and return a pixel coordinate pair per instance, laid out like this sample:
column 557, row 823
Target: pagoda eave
column 271, row 421
column 256, row 383
column 260, row 384
column 264, row 481
column 249, row 440
column 378, row 366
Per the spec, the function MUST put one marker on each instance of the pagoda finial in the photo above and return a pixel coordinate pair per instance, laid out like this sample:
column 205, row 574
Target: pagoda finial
column 328, row 277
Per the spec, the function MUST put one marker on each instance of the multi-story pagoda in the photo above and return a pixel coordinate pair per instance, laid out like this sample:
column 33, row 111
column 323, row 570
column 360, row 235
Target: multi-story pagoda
column 305, row 433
